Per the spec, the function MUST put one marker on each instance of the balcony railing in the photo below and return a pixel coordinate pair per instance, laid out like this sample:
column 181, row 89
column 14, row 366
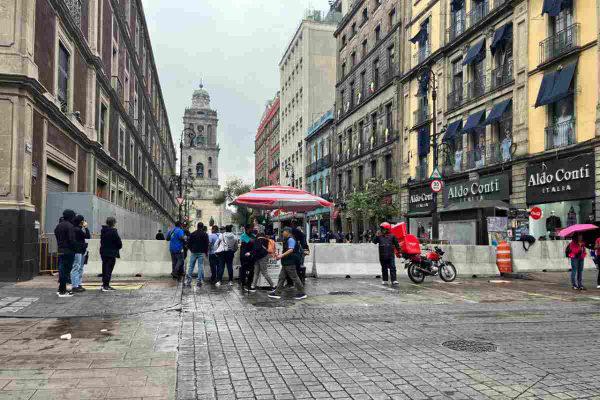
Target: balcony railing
column 421, row 173
column 475, row 158
column 421, row 55
column 560, row 134
column 476, row 88
column 455, row 98
column 74, row 7
column 421, row 115
column 324, row 162
column 453, row 164
column 117, row 86
column 478, row 12
column 559, row 43
column 456, row 29
column 494, row 153
column 502, row 75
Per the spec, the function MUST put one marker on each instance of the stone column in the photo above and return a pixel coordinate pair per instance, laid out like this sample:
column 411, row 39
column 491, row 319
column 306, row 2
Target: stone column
column 18, row 249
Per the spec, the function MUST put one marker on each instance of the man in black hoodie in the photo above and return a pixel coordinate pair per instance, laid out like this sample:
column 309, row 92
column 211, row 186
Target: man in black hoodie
column 198, row 246
column 110, row 244
column 65, row 240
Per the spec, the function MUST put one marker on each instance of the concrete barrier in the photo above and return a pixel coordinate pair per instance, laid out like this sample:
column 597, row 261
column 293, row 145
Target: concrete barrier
column 338, row 260
column 151, row 258
column 548, row 255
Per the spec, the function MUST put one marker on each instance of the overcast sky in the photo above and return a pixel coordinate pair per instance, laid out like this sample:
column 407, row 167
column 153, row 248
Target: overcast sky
column 234, row 47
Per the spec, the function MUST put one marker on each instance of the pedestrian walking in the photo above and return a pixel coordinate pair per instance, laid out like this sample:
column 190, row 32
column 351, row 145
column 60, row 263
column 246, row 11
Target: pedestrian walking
column 160, row 235
column 176, row 238
column 300, row 238
column 82, row 234
column 576, row 253
column 597, row 260
column 65, row 240
column 289, row 258
column 227, row 245
column 387, row 242
column 261, row 255
column 110, row 244
column 213, row 260
column 198, row 245
column 246, row 256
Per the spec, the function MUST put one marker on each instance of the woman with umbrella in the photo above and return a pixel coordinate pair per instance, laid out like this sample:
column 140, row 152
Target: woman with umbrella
column 576, row 252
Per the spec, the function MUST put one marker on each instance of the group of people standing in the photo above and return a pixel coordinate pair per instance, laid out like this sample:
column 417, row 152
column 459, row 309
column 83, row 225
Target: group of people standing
column 255, row 249
column 71, row 235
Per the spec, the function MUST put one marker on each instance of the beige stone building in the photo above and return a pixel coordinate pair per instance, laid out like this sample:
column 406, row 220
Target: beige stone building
column 366, row 143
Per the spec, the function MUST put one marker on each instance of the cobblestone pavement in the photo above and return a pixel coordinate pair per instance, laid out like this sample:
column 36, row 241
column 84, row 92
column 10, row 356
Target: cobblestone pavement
column 351, row 339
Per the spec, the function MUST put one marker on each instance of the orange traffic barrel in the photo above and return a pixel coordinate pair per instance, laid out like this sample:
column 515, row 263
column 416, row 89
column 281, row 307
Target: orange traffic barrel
column 503, row 260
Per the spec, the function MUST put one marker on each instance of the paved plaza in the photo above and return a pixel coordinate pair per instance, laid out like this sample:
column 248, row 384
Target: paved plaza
column 351, row 339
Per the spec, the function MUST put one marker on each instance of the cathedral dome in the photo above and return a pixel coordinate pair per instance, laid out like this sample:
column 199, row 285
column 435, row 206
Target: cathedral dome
column 201, row 98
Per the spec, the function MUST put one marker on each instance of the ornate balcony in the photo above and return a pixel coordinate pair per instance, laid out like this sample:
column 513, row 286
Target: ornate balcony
column 560, row 43
column 479, row 10
column 502, row 75
column 476, row 88
column 455, row 98
column 561, row 134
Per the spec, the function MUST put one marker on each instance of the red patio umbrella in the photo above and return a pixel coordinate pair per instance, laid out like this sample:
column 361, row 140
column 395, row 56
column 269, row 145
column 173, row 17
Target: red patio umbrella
column 286, row 198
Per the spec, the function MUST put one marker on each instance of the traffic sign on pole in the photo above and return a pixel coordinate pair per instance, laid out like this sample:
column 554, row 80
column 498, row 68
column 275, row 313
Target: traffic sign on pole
column 179, row 200
column 436, row 185
column 435, row 174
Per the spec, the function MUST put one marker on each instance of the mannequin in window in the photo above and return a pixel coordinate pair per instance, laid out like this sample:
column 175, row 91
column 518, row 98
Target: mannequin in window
column 505, row 146
column 571, row 217
column 552, row 224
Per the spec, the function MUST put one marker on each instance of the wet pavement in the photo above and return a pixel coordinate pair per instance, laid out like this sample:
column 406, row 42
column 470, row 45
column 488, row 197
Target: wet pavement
column 351, row 339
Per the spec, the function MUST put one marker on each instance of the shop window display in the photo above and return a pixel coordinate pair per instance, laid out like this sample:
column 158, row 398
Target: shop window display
column 556, row 216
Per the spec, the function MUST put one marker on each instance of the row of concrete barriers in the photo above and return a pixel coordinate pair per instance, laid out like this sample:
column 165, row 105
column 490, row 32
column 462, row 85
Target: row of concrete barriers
column 152, row 258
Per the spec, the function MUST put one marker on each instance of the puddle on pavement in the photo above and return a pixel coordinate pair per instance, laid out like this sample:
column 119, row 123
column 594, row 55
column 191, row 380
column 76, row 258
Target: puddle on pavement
column 80, row 328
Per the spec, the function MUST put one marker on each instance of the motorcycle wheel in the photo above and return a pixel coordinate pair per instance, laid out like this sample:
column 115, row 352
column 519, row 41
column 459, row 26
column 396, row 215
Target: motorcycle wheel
column 415, row 274
column 447, row 272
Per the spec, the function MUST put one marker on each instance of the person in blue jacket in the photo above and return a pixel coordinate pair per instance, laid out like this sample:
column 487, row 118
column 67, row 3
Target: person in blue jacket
column 176, row 238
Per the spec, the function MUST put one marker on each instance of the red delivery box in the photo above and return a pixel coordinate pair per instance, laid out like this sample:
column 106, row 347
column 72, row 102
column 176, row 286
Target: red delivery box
column 410, row 245
column 399, row 230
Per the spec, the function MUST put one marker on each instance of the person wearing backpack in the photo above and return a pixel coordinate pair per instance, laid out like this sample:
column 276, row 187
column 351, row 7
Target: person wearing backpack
column 263, row 249
column 176, row 238
column 387, row 243
column 292, row 251
column 576, row 253
column 227, row 245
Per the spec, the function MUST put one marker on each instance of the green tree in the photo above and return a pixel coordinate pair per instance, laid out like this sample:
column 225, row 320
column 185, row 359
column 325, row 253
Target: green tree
column 232, row 189
column 376, row 201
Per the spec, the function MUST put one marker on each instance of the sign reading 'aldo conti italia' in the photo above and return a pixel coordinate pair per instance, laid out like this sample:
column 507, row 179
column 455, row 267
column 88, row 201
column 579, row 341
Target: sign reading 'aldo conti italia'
column 492, row 187
column 561, row 179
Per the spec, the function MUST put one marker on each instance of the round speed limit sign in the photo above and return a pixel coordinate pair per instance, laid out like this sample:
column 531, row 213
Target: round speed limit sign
column 436, row 185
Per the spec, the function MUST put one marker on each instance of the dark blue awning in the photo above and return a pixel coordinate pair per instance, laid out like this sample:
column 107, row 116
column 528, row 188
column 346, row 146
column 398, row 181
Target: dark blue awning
column 423, row 141
column 423, row 84
column 546, row 87
column 501, row 36
column 422, row 35
column 474, row 121
column 497, row 112
column 452, row 130
column 477, row 51
column 562, row 83
column 456, row 5
column 554, row 7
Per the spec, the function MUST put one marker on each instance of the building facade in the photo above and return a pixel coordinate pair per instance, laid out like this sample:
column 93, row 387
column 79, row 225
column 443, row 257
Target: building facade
column 307, row 72
column 318, row 170
column 200, row 159
column 366, row 142
column 82, row 111
column 266, row 146
column 503, row 78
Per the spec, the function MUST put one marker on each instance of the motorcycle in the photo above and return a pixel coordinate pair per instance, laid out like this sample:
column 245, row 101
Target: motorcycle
column 419, row 266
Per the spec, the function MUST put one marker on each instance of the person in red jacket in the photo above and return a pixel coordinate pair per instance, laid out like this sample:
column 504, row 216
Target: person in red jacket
column 577, row 255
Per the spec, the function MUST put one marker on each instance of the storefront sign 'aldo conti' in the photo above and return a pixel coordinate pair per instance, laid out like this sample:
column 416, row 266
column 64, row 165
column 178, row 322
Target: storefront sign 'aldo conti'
column 420, row 200
column 561, row 180
column 495, row 187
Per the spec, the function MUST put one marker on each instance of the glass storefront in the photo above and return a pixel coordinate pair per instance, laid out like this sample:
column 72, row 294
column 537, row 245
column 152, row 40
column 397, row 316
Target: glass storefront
column 556, row 216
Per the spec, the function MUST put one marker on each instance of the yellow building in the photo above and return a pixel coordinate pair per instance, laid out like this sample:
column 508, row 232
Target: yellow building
column 516, row 120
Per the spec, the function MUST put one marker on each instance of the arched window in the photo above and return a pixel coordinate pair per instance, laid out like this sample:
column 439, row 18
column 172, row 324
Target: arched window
column 200, row 170
column 189, row 159
column 210, row 173
column 189, row 172
column 209, row 160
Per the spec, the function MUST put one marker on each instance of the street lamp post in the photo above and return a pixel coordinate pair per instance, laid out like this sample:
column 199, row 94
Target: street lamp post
column 191, row 133
column 427, row 74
